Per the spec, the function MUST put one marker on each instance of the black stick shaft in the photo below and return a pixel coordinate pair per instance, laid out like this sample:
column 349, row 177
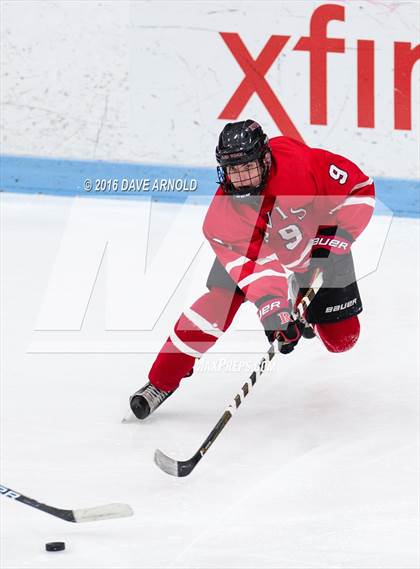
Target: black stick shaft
column 227, row 415
column 237, row 400
column 185, row 467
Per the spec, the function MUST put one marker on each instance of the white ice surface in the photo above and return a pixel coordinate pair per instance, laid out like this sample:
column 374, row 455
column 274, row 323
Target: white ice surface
column 318, row 469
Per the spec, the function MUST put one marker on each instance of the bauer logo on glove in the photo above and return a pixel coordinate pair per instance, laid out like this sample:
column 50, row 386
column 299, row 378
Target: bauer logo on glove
column 279, row 324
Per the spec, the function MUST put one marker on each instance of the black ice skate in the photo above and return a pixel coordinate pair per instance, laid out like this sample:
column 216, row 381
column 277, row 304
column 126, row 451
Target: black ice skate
column 147, row 399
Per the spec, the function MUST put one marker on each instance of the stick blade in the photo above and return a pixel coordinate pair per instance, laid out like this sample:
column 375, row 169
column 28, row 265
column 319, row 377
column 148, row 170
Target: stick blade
column 107, row 512
column 165, row 463
column 173, row 467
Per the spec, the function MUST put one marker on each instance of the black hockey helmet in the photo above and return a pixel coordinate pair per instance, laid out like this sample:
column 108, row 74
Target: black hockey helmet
column 239, row 143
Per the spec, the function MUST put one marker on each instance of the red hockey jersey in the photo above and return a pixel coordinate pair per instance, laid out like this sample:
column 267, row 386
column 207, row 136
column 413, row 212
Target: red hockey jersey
column 307, row 187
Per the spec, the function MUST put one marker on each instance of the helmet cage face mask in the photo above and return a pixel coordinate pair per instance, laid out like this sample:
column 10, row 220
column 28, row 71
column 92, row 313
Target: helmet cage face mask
column 244, row 189
column 241, row 143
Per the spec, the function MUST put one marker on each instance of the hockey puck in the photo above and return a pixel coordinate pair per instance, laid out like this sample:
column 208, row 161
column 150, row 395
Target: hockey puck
column 55, row 546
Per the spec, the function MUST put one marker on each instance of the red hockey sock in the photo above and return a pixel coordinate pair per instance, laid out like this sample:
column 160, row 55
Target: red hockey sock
column 339, row 336
column 196, row 331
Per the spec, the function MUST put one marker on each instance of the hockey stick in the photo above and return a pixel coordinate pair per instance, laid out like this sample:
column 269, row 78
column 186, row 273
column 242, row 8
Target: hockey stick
column 184, row 467
column 106, row 512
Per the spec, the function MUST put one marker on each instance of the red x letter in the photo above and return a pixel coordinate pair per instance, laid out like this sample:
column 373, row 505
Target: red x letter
column 254, row 82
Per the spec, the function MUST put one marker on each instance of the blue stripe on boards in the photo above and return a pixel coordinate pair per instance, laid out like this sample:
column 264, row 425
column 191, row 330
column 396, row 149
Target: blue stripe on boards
column 62, row 177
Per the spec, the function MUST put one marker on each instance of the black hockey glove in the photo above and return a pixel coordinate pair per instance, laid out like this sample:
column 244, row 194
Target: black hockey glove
column 279, row 324
column 331, row 253
column 339, row 297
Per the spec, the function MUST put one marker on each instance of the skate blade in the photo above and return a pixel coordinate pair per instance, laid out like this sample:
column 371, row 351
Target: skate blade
column 129, row 418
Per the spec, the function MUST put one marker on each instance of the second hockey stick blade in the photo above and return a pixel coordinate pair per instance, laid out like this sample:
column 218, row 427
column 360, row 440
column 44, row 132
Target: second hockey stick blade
column 106, row 512
column 97, row 513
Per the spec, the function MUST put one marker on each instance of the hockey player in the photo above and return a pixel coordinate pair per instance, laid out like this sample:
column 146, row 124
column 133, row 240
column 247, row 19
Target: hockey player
column 282, row 208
